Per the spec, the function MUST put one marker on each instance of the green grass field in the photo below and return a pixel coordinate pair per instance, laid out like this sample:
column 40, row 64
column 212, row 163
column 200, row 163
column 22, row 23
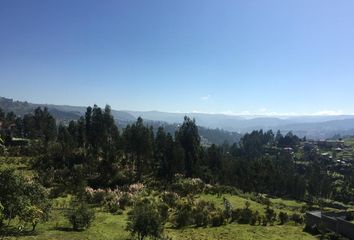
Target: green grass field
column 112, row 227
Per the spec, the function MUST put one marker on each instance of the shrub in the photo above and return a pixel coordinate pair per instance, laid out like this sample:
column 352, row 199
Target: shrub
column 183, row 214
column 235, row 215
column 23, row 199
column 201, row 217
column 112, row 198
column 95, row 196
column 112, row 207
column 98, row 197
column 216, row 218
column 297, row 218
column 264, row 221
column 313, row 229
column 185, row 186
column 221, row 189
column 270, row 215
column 201, row 213
column 145, row 220
column 254, row 218
column 2, row 216
column 350, row 216
column 32, row 215
column 227, row 208
column 331, row 236
column 245, row 214
column 283, row 218
column 163, row 210
column 80, row 215
column 259, row 198
column 170, row 198
column 124, row 200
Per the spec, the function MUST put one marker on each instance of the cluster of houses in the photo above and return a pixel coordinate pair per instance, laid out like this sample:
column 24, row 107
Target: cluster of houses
column 6, row 136
column 325, row 144
column 331, row 151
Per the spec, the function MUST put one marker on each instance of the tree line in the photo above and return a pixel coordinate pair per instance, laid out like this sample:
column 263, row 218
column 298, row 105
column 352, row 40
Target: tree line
column 94, row 151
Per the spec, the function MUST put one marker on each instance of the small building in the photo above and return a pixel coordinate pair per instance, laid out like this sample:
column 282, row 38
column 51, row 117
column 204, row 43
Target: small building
column 330, row 143
column 18, row 142
column 338, row 149
column 288, row 150
column 332, row 221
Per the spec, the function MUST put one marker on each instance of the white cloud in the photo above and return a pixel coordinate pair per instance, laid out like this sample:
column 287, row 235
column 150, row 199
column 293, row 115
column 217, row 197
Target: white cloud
column 328, row 113
column 232, row 113
column 266, row 112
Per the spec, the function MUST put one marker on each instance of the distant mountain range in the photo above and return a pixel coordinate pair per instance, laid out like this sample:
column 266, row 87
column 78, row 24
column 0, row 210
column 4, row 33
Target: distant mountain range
column 60, row 112
column 316, row 127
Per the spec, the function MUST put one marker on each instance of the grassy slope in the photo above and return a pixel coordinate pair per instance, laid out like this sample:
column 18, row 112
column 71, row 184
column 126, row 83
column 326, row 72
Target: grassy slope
column 288, row 206
column 111, row 227
column 106, row 226
column 237, row 231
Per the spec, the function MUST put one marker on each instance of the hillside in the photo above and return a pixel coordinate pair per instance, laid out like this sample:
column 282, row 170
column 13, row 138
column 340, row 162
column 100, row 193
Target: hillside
column 91, row 180
column 64, row 113
column 316, row 127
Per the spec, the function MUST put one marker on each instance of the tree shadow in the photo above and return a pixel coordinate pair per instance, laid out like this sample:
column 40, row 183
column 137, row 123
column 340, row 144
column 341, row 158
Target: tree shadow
column 66, row 229
column 15, row 232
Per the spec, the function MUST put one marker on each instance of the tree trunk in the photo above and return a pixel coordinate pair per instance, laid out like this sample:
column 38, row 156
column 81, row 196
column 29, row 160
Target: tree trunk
column 34, row 226
column 138, row 167
column 10, row 217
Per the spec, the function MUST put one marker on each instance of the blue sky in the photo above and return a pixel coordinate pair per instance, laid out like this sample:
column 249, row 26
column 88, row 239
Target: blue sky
column 254, row 56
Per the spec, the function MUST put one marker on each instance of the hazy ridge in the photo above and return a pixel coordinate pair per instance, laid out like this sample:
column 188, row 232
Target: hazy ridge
column 310, row 126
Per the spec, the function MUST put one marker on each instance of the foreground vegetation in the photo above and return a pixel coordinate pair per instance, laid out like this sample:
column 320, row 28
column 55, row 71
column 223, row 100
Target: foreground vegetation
column 112, row 226
column 90, row 180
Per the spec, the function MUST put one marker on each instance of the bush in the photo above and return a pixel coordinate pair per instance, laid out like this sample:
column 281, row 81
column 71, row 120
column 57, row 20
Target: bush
column 112, row 207
column 23, row 199
column 111, row 199
column 350, row 216
column 259, row 198
column 297, row 218
column 201, row 213
column 221, row 189
column 227, row 208
column 245, row 214
column 185, row 186
column 283, row 218
column 99, row 197
column 235, row 215
column 170, row 198
column 32, row 215
column 163, row 210
column 124, row 200
column 331, row 236
column 146, row 220
column 80, row 215
column 270, row 215
column 201, row 217
column 95, row 196
column 2, row 216
column 264, row 221
column 216, row 218
column 255, row 218
column 183, row 215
